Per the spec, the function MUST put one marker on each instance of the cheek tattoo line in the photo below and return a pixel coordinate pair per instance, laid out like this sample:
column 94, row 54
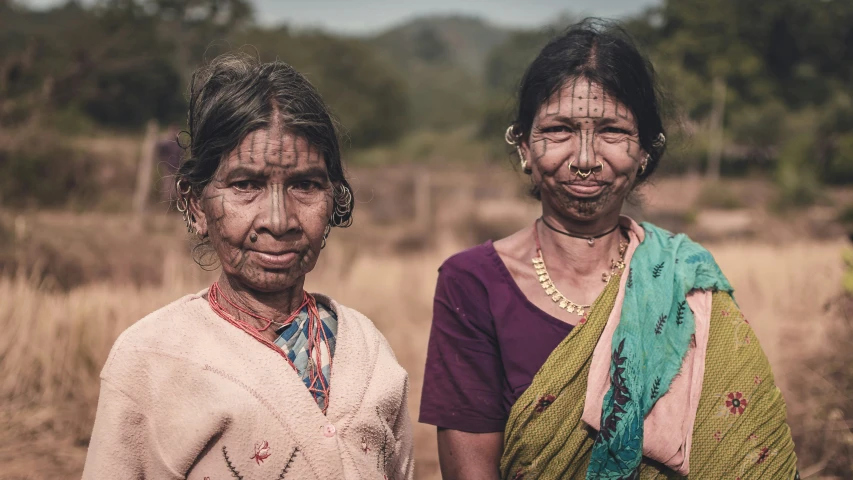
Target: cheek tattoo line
column 219, row 213
column 239, row 264
column 594, row 153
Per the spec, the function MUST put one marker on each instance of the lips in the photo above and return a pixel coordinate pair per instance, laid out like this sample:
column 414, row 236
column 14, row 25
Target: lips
column 276, row 260
column 584, row 189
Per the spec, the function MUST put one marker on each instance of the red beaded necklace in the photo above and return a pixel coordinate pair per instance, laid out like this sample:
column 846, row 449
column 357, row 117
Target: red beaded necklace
column 316, row 335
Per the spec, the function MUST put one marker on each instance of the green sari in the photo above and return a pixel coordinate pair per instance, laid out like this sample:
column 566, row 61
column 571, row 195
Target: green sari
column 740, row 429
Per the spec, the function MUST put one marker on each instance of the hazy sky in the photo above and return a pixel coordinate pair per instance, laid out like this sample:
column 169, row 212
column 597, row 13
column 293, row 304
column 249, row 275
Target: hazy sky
column 364, row 16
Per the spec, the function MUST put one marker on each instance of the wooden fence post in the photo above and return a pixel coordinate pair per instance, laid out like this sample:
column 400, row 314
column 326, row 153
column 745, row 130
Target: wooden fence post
column 144, row 169
column 718, row 113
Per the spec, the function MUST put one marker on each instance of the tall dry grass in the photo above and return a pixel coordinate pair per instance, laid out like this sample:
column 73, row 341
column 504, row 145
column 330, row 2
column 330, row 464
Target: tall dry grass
column 54, row 343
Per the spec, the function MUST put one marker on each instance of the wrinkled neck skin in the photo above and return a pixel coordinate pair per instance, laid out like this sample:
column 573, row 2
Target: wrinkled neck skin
column 275, row 306
column 574, row 256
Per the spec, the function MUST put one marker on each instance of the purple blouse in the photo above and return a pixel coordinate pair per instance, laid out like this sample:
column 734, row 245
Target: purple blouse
column 486, row 344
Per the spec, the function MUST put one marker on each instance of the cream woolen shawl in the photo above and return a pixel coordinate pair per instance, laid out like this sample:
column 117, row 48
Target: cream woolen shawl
column 184, row 394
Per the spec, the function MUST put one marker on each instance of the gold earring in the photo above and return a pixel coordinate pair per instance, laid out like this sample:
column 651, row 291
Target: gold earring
column 524, row 166
column 644, row 164
column 326, row 233
column 513, row 138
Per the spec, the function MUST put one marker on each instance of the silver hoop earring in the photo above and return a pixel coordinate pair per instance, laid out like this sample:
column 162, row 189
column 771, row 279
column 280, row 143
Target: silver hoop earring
column 341, row 216
column 182, row 205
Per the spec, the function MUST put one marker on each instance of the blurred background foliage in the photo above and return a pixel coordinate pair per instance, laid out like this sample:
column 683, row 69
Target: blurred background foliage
column 433, row 86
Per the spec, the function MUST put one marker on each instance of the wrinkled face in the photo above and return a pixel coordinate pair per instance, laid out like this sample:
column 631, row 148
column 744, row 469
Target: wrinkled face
column 273, row 188
column 581, row 131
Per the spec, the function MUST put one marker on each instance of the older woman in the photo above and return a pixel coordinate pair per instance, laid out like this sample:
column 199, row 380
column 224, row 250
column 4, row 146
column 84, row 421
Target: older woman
column 586, row 345
column 255, row 377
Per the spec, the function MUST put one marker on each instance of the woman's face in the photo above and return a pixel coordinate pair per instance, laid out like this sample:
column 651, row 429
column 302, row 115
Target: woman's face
column 581, row 129
column 274, row 188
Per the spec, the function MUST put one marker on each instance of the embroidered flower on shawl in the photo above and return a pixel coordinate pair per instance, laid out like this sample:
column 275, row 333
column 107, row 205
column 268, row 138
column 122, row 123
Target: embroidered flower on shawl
column 544, row 402
column 757, row 380
column 763, row 454
column 752, row 437
column 582, row 321
column 718, row 436
column 262, row 452
column 736, row 403
column 519, row 475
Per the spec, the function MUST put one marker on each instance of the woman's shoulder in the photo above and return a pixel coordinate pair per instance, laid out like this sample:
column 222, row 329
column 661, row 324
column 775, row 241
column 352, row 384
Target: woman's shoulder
column 475, row 259
column 162, row 329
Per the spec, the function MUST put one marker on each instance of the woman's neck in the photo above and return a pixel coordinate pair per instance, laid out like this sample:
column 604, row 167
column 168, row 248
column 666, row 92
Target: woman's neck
column 275, row 306
column 578, row 257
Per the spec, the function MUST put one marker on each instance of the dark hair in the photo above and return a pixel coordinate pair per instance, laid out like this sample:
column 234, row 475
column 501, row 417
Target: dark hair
column 236, row 94
column 603, row 53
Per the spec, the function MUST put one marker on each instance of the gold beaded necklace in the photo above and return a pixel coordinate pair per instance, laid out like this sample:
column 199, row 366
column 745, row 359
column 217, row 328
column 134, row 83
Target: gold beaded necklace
column 616, row 266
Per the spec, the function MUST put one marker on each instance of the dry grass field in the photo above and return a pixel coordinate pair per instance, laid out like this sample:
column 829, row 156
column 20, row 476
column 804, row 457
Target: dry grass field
column 56, row 335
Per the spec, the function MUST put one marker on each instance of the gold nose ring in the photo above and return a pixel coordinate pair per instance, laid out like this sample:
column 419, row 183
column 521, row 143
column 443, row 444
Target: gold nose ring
column 584, row 174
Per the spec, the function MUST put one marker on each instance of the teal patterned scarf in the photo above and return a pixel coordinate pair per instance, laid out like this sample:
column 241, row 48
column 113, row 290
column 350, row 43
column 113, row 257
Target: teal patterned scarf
column 649, row 343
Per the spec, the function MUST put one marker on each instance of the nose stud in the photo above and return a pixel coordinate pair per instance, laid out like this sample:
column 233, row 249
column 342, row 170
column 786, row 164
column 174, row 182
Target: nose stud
column 253, row 237
column 584, row 174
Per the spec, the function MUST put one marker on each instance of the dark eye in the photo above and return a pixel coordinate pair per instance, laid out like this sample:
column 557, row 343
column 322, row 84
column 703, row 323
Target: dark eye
column 245, row 186
column 618, row 130
column 306, row 185
column 557, row 129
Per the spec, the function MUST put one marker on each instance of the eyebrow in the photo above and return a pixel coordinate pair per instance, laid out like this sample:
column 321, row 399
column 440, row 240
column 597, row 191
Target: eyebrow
column 244, row 170
column 312, row 171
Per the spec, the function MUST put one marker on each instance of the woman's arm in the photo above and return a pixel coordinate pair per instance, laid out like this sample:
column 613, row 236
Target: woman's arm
column 469, row 456
column 123, row 444
column 464, row 379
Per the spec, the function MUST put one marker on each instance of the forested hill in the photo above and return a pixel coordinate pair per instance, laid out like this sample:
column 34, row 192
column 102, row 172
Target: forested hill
column 465, row 42
column 772, row 80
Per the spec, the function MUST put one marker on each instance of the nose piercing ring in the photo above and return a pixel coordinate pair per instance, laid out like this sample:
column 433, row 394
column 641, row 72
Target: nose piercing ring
column 584, row 174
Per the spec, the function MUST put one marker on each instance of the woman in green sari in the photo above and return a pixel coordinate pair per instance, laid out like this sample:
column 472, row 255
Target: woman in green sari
column 586, row 345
